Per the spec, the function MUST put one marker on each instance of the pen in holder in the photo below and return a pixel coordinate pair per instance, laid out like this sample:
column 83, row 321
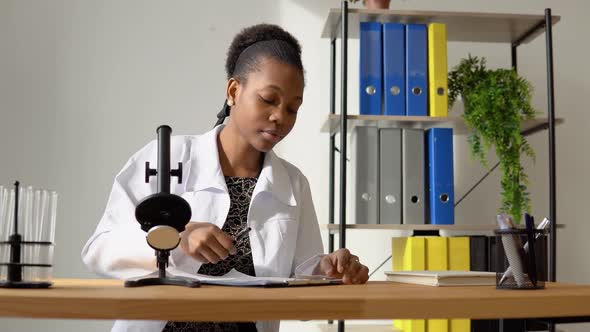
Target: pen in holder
column 518, row 266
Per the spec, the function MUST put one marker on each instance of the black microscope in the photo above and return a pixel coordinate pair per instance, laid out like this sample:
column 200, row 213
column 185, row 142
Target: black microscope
column 163, row 216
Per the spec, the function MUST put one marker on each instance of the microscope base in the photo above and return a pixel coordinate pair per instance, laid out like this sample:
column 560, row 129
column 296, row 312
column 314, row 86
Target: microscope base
column 154, row 280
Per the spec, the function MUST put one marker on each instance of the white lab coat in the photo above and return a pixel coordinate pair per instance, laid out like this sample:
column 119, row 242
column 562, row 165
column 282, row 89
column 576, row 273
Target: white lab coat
column 284, row 233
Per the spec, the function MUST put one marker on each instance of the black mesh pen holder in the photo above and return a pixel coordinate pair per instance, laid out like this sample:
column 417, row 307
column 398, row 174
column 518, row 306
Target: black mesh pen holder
column 15, row 275
column 521, row 258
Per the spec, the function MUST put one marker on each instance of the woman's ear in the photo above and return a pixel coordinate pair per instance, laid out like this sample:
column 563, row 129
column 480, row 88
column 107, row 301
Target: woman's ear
column 232, row 91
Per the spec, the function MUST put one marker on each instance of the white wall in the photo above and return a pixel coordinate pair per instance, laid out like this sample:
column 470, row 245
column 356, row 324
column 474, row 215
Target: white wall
column 83, row 84
column 8, row 121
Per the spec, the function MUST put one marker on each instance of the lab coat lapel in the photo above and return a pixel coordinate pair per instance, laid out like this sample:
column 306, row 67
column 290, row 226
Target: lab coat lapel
column 206, row 169
column 275, row 180
column 272, row 195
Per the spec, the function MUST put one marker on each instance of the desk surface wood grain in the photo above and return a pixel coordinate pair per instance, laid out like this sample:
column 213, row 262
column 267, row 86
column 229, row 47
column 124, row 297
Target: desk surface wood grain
column 108, row 299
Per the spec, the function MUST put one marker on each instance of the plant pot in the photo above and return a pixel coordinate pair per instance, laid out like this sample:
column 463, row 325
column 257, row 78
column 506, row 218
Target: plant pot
column 376, row 4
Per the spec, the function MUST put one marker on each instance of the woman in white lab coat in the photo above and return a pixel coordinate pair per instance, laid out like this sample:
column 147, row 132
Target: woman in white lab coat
column 232, row 180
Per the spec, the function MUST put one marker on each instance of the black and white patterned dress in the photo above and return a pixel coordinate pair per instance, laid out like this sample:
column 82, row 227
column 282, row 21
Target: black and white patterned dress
column 240, row 193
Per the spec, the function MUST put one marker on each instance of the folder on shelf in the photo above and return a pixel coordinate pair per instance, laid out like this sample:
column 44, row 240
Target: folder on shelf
column 394, row 71
column 390, row 176
column 437, row 260
column 416, row 70
column 414, row 325
column 458, row 251
column 485, row 325
column 461, row 325
column 441, row 197
column 494, row 263
column 437, row 325
column 437, row 69
column 436, row 253
column 459, row 260
column 409, row 254
column 370, row 93
column 478, row 253
column 365, row 146
column 413, row 170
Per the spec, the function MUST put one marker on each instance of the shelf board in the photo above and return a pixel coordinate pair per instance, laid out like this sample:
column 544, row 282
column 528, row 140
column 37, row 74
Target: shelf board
column 420, row 227
column 409, row 227
column 332, row 123
column 461, row 26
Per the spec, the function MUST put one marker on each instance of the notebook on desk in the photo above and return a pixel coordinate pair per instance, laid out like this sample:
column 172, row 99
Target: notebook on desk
column 269, row 281
column 443, row 278
column 238, row 279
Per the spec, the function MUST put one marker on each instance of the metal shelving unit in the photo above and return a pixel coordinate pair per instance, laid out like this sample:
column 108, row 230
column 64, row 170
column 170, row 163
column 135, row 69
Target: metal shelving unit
column 515, row 29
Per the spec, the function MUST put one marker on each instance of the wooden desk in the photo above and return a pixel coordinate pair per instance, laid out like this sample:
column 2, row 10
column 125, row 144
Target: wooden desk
column 108, row 299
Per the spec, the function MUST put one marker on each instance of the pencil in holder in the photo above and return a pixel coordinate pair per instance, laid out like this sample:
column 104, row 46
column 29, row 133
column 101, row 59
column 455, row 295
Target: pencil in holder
column 521, row 266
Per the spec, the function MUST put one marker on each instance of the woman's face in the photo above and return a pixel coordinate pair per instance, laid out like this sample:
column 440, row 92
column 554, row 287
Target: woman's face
column 266, row 104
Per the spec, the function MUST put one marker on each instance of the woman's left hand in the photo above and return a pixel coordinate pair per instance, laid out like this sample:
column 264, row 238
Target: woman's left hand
column 342, row 264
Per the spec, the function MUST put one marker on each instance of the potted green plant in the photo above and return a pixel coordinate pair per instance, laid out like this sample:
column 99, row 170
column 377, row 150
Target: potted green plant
column 496, row 102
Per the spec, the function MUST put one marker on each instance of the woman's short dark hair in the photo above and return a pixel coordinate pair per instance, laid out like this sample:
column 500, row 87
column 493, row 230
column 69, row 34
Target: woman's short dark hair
column 257, row 42
column 253, row 44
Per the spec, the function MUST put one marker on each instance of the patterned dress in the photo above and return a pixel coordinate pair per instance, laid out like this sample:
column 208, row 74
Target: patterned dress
column 240, row 193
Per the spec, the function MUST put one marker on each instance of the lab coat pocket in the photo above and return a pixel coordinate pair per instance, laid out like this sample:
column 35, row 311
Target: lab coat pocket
column 284, row 232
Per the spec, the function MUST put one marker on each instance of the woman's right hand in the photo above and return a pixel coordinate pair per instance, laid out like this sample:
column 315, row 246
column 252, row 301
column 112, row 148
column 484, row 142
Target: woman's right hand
column 206, row 243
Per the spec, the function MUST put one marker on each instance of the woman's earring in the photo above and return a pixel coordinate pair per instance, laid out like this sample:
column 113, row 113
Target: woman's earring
column 230, row 102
